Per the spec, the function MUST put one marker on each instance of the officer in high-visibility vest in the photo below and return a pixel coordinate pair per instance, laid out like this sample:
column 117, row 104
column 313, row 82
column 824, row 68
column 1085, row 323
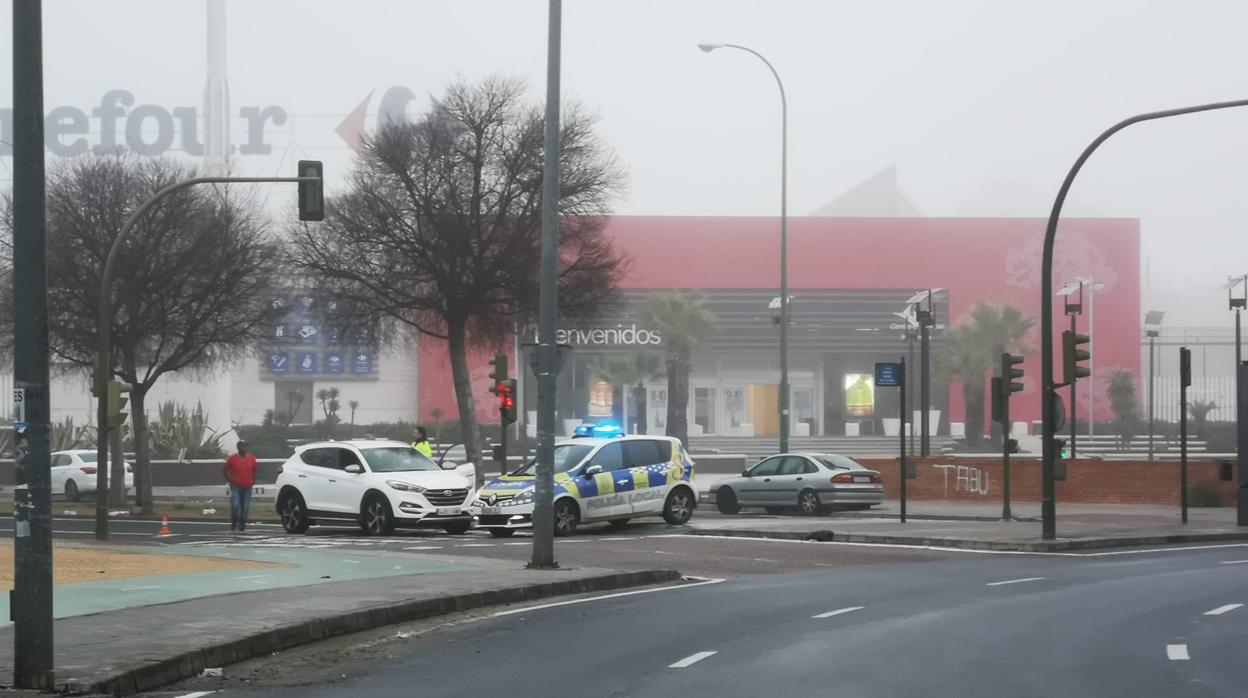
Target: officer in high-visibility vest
column 422, row 442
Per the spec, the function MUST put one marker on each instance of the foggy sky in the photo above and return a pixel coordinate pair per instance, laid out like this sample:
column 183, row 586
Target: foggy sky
column 982, row 104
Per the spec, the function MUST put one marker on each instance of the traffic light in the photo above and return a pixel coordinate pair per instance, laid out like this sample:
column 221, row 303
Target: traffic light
column 998, row 402
column 498, row 373
column 1185, row 367
column 117, row 403
column 311, row 193
column 507, row 402
column 1073, row 357
column 1059, row 459
column 1010, row 375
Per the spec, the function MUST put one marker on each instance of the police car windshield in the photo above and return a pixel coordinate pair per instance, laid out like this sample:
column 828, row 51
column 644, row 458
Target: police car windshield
column 394, row 459
column 566, row 458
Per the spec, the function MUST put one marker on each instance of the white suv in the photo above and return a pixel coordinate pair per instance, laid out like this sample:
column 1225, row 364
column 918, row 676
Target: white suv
column 379, row 485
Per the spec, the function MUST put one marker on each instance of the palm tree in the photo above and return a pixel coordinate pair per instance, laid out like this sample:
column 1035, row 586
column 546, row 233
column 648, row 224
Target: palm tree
column 1123, row 402
column 629, row 372
column 682, row 320
column 1200, row 410
column 973, row 349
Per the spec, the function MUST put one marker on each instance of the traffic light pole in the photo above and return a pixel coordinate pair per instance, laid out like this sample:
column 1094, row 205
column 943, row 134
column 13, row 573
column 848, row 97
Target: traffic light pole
column 30, row 604
column 1074, row 384
column 103, row 331
column 1048, row 508
column 1003, row 385
column 925, row 397
column 905, row 475
column 548, row 307
column 1185, row 379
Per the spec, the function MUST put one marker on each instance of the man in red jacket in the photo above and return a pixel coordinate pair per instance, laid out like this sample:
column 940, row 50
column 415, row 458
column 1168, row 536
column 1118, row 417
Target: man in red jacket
column 240, row 473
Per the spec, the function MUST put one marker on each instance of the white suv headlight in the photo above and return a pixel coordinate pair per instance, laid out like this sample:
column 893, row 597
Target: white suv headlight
column 404, row 486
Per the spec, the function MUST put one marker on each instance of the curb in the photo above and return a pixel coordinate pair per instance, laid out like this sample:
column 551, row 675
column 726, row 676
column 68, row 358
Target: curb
column 969, row 544
column 145, row 677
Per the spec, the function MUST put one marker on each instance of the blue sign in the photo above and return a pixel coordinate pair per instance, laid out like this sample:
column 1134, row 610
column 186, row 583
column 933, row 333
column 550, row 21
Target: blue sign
column 279, row 362
column 305, row 362
column 280, row 334
column 307, row 334
column 334, row 362
column 362, row 363
column 888, row 375
column 303, row 306
column 331, row 336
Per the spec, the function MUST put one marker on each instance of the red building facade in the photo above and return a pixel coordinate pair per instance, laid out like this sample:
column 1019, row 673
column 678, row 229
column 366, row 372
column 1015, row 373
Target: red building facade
column 849, row 279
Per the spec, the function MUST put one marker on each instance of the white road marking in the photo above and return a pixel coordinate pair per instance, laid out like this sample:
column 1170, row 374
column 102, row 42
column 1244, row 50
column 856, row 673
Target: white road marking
column 1235, row 562
column 140, row 588
column 618, row 594
column 947, row 549
column 606, row 539
column 1223, row 609
column 475, row 545
column 424, row 547
column 763, row 559
column 1177, row 653
column 838, row 612
column 692, row 659
column 1014, row 581
column 253, row 576
column 663, row 552
column 196, row 694
column 527, row 544
column 352, row 562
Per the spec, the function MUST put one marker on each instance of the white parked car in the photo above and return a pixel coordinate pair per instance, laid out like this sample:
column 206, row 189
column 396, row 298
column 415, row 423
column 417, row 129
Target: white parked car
column 378, row 485
column 74, row 474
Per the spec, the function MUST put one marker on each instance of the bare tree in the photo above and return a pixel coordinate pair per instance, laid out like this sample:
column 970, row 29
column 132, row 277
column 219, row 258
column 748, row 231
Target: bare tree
column 438, row 231
column 193, row 279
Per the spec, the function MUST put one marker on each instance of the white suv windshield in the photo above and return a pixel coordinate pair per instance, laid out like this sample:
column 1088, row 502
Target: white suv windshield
column 393, row 459
column 566, row 458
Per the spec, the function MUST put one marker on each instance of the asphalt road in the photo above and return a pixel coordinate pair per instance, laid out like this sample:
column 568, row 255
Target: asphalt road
column 1134, row 623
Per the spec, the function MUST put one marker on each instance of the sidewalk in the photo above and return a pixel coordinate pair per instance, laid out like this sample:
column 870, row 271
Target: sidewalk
column 161, row 629
column 1079, row 527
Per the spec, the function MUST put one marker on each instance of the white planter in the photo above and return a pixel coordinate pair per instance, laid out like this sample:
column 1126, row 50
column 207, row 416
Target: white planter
column 801, row 429
column 1020, row 429
column 933, row 417
column 892, row 426
column 957, row 430
column 851, row 429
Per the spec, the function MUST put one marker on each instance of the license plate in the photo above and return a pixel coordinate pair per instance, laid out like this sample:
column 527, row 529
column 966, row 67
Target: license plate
column 448, row 511
column 491, row 510
column 862, row 478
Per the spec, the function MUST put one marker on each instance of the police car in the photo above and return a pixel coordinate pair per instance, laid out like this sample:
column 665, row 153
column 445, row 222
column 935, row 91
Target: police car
column 597, row 478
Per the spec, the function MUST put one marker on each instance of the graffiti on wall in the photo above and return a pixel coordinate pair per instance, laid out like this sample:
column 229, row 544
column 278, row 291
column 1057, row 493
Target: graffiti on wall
column 966, row 478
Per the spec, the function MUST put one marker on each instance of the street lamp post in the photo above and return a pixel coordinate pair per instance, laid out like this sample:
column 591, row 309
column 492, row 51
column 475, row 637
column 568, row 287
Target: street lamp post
column 1152, row 329
column 1048, row 497
column 784, row 238
column 1237, row 303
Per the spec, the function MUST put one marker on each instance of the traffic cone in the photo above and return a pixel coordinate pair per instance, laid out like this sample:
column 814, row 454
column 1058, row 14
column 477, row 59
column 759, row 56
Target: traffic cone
column 164, row 526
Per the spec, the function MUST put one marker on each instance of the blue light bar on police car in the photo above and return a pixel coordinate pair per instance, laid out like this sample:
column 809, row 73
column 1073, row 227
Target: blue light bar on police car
column 601, row 430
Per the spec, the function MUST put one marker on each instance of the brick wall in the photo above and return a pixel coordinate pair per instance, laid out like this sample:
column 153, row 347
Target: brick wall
column 1088, row 481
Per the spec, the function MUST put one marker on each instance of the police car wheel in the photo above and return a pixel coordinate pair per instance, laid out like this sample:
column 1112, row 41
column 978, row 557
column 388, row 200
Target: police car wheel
column 679, row 507
column 502, row 532
column 726, row 501
column 567, row 516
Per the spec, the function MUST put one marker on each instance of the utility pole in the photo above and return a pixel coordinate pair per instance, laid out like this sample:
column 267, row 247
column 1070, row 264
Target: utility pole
column 548, row 307
column 31, row 602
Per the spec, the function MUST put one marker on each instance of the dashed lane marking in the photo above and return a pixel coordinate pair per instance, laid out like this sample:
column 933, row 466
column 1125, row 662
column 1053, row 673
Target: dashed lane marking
column 1014, row 581
column 424, row 547
column 1177, row 653
column 837, row 612
column 692, row 659
column 1223, row 609
column 1235, row 562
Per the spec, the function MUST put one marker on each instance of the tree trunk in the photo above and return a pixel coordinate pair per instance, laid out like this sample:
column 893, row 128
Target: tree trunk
column 142, row 454
column 116, row 471
column 973, row 399
column 678, row 394
column 457, row 344
column 617, row 406
column 639, row 405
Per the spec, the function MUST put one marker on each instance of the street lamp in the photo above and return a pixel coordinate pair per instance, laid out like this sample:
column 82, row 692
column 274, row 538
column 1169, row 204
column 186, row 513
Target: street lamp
column 1237, row 302
column 1152, row 330
column 708, row 46
column 926, row 318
